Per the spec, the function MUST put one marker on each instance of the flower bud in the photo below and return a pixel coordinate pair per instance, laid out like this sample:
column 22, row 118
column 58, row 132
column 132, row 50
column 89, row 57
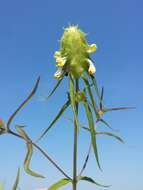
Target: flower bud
column 100, row 113
column 80, row 96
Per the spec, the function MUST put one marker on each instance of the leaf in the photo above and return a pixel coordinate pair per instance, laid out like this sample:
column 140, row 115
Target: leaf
column 54, row 89
column 60, row 183
column 27, row 162
column 23, row 103
column 62, row 110
column 95, row 85
column 72, row 98
column 21, row 126
column 101, row 100
column 29, row 153
column 91, row 96
column 110, row 134
column 90, row 180
column 92, row 131
column 117, row 109
column 106, row 133
column 105, row 123
column 17, row 180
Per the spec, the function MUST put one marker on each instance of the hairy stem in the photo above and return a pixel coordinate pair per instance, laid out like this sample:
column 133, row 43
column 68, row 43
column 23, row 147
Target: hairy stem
column 75, row 143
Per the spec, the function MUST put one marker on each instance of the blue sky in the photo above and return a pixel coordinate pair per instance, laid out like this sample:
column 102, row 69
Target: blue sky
column 29, row 34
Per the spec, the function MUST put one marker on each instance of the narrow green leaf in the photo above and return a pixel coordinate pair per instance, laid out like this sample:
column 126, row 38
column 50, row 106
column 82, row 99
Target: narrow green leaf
column 105, row 123
column 15, row 186
column 105, row 133
column 72, row 98
column 101, row 99
column 23, row 103
column 28, row 160
column 54, row 89
column 110, row 134
column 92, row 131
column 62, row 110
column 90, row 180
column 59, row 184
column 95, row 86
column 29, row 153
column 22, row 133
column 91, row 96
column 117, row 109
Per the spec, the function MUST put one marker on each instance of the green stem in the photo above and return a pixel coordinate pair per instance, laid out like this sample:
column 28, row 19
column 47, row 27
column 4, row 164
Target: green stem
column 75, row 143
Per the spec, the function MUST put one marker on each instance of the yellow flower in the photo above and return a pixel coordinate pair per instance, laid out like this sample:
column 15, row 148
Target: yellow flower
column 59, row 73
column 92, row 48
column 57, row 54
column 60, row 61
column 91, row 69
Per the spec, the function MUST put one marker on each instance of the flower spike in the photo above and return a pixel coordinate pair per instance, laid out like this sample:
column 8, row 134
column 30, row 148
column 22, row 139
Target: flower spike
column 73, row 53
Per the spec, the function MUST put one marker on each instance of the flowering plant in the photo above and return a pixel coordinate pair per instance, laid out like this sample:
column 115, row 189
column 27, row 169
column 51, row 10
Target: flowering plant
column 73, row 61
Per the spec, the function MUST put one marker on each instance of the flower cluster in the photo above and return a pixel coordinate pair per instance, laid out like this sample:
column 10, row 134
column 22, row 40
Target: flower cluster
column 73, row 56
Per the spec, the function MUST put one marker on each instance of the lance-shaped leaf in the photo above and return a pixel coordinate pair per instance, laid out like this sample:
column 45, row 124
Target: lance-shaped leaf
column 101, row 99
column 29, row 153
column 59, row 184
column 95, row 85
column 15, row 186
column 92, row 130
column 111, row 134
column 72, row 98
column 117, row 109
column 106, row 123
column 91, row 96
column 23, row 103
column 54, row 89
column 90, row 180
column 105, row 133
column 62, row 110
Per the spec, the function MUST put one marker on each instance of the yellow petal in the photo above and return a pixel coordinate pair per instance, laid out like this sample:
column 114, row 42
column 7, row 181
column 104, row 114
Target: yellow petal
column 57, row 54
column 59, row 73
column 92, row 48
column 60, row 61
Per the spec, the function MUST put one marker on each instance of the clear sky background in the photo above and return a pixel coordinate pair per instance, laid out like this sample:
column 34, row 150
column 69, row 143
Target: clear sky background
column 29, row 34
